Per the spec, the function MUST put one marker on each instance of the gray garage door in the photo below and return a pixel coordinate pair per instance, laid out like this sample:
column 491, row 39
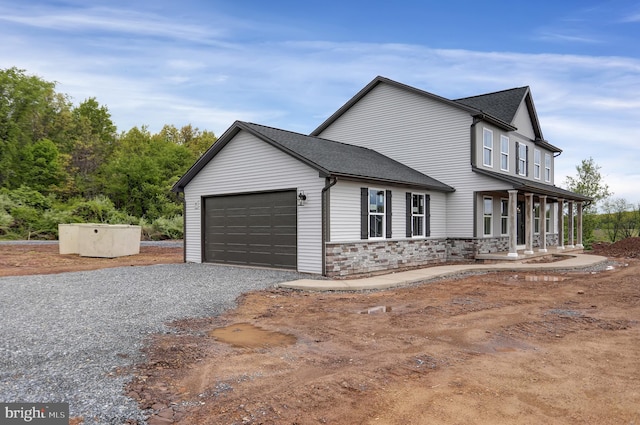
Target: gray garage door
column 256, row 229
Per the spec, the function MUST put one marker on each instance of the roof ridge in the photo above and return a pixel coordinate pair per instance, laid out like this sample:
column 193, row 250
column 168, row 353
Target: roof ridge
column 310, row 136
column 492, row 93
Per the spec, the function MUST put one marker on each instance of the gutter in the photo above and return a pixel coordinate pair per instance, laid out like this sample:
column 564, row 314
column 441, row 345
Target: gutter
column 325, row 219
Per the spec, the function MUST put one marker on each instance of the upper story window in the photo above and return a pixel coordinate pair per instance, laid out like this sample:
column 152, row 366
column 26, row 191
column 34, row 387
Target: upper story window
column 376, row 213
column 521, row 158
column 487, row 216
column 547, row 167
column 504, row 153
column 537, row 159
column 487, row 147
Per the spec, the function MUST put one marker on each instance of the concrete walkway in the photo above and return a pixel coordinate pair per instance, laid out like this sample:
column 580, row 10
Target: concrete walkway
column 390, row 280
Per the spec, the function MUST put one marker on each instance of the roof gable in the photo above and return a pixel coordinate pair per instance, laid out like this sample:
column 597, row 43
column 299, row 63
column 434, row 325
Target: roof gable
column 383, row 80
column 330, row 158
column 503, row 104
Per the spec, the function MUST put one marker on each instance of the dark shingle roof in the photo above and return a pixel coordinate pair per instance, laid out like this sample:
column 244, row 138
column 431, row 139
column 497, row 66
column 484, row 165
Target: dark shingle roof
column 503, row 104
column 330, row 158
column 534, row 186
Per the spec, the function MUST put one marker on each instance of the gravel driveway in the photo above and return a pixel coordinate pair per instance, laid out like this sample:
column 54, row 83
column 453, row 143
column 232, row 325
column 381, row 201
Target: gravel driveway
column 63, row 335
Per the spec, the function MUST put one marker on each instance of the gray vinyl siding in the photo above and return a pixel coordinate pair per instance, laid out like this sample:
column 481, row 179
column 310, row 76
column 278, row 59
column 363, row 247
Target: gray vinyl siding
column 247, row 164
column 515, row 138
column 522, row 121
column 423, row 133
column 345, row 211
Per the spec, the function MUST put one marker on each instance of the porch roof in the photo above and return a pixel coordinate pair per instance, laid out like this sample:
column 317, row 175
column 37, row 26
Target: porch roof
column 534, row 187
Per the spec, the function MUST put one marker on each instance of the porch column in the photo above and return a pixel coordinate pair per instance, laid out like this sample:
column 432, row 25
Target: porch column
column 528, row 214
column 560, row 223
column 570, row 224
column 513, row 223
column 579, row 245
column 543, row 224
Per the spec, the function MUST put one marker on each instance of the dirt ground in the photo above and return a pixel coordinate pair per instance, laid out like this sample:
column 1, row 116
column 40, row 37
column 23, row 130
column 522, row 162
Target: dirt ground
column 27, row 259
column 497, row 348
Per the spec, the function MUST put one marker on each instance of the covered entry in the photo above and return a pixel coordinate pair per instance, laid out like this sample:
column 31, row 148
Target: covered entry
column 257, row 229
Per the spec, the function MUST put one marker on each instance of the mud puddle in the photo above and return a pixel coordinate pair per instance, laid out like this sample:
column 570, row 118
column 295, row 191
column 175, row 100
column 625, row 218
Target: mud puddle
column 246, row 335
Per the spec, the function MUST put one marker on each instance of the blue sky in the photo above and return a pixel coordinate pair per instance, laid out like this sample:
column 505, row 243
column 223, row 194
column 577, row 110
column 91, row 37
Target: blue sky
column 290, row 64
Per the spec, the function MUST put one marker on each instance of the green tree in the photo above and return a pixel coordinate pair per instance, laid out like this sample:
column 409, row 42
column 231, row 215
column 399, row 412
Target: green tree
column 138, row 175
column 30, row 111
column 589, row 182
column 92, row 140
column 44, row 170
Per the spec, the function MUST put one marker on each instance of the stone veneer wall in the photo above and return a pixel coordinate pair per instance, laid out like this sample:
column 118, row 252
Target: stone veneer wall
column 345, row 259
column 357, row 258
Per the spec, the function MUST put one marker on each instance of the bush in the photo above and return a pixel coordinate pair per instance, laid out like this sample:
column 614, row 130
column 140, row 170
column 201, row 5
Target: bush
column 163, row 228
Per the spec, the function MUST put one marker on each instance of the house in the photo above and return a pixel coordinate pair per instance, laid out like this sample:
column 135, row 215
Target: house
column 396, row 178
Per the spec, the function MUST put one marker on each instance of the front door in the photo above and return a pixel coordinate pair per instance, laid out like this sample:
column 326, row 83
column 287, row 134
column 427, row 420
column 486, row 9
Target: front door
column 521, row 223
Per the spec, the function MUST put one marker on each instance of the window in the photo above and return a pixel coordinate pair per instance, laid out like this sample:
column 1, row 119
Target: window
column 547, row 167
column 417, row 215
column 504, row 217
column 376, row 213
column 547, row 220
column 536, row 218
column 536, row 164
column 504, row 153
column 487, row 149
column 521, row 160
column 488, row 216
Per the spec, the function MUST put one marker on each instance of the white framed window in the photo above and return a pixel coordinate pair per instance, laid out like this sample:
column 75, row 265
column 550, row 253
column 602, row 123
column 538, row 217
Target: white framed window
column 487, row 147
column 504, row 217
column 522, row 159
column 487, row 216
column 417, row 214
column 537, row 159
column 376, row 213
column 547, row 167
column 504, row 153
column 547, row 218
column 536, row 218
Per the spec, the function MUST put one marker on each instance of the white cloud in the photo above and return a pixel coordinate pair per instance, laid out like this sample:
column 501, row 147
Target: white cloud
column 587, row 105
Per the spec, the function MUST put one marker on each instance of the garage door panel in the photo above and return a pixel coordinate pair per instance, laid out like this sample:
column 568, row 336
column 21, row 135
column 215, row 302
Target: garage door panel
column 252, row 229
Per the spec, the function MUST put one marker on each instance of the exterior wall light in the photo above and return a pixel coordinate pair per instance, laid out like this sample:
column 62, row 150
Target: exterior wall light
column 301, row 198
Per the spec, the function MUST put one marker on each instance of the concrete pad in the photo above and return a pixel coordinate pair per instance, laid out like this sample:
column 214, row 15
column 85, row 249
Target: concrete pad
column 394, row 279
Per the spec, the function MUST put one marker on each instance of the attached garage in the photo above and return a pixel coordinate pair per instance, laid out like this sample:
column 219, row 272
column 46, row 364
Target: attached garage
column 255, row 229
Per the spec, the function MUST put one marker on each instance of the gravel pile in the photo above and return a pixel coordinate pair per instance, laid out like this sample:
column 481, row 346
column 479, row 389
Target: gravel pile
column 63, row 336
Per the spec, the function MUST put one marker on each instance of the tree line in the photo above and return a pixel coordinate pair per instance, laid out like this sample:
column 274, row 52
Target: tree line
column 61, row 163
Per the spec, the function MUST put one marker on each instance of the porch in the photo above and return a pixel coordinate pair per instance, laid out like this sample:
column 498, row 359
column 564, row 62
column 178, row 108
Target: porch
column 522, row 257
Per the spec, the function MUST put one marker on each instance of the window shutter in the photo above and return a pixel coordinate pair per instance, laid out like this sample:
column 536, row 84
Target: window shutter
column 526, row 161
column 387, row 212
column 517, row 158
column 427, row 214
column 364, row 213
column 408, row 232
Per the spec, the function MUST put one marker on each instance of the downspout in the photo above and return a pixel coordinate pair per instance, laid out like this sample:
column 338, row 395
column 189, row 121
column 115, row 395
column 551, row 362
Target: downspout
column 472, row 138
column 325, row 219
column 476, row 120
column 184, row 226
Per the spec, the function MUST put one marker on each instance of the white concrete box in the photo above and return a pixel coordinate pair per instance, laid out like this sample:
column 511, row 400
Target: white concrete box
column 68, row 238
column 100, row 240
